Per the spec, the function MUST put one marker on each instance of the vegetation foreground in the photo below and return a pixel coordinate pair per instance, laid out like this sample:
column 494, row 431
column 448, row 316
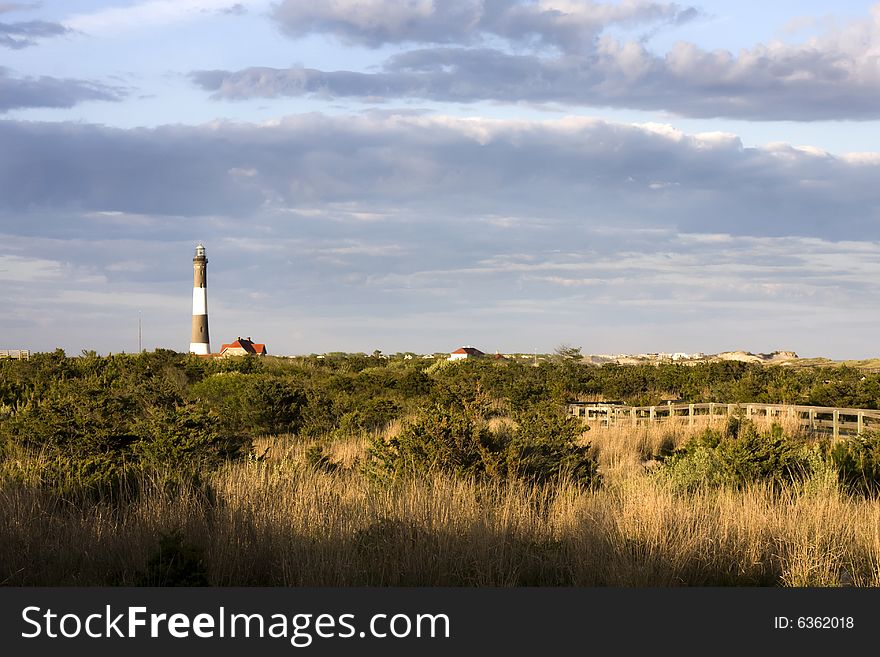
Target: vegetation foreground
column 161, row 469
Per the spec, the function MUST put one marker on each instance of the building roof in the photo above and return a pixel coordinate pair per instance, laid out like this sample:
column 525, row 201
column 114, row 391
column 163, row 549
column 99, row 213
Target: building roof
column 470, row 351
column 246, row 344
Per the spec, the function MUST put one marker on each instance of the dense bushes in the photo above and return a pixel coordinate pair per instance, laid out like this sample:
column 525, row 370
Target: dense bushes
column 740, row 455
column 92, row 417
column 541, row 448
column 92, row 438
column 371, row 416
column 857, row 461
column 736, row 456
column 437, row 439
column 96, row 421
column 254, row 404
column 187, row 437
column 545, row 446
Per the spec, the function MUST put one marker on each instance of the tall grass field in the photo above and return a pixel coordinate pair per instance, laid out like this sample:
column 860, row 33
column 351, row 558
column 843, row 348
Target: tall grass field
column 306, row 512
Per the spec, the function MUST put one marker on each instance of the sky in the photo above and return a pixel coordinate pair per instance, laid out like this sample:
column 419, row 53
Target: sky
column 417, row 175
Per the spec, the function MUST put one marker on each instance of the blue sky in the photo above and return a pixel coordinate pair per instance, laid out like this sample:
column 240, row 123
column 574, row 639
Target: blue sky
column 416, row 175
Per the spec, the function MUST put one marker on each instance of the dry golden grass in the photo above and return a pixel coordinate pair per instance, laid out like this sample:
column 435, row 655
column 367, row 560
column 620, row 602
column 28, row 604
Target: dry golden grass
column 278, row 521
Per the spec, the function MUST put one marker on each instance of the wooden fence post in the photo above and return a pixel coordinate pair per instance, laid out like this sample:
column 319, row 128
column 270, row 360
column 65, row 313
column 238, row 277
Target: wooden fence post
column 632, row 415
column 836, row 424
column 861, row 423
column 711, row 412
column 652, row 413
column 690, row 415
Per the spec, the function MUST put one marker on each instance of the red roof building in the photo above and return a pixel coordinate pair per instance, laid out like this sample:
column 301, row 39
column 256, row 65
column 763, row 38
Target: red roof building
column 243, row 347
column 465, row 352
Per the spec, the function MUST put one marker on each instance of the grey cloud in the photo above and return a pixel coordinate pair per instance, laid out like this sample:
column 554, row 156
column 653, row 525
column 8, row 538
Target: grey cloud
column 794, row 84
column 565, row 25
column 569, row 174
column 93, row 168
column 16, row 6
column 45, row 91
column 440, row 74
column 237, row 9
column 24, row 34
column 833, row 77
column 377, row 22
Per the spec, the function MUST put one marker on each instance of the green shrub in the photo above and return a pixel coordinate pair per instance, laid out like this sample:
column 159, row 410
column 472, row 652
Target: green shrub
column 320, row 414
column 84, row 432
column 92, row 474
column 371, row 416
column 188, row 437
column 317, row 459
column 252, row 403
column 857, row 461
column 540, row 449
column 736, row 456
column 437, row 439
column 544, row 447
column 174, row 563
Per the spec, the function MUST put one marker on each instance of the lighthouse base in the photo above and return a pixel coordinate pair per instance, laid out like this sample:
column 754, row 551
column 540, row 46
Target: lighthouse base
column 200, row 348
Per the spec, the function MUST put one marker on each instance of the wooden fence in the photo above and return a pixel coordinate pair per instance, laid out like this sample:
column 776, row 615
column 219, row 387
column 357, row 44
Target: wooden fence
column 818, row 419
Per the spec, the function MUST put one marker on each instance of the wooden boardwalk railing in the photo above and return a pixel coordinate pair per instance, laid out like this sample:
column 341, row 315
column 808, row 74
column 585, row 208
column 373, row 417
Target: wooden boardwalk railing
column 819, row 419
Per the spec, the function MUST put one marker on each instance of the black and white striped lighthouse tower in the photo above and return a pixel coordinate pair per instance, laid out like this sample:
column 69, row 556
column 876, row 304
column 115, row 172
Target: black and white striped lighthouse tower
column 200, row 344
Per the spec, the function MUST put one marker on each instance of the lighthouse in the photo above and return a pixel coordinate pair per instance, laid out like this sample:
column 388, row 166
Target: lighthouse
column 200, row 344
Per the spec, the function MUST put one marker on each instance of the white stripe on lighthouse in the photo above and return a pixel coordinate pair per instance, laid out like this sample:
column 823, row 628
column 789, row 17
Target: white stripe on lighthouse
column 200, row 301
column 199, row 348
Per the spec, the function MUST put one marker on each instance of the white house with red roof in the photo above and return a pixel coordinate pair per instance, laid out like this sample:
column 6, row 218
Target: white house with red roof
column 465, row 352
column 243, row 347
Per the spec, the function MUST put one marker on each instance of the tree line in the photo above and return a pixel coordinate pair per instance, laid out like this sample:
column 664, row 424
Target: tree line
column 94, row 418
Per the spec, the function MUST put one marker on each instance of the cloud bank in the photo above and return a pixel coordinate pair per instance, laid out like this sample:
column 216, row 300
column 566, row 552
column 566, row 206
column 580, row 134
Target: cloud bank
column 557, row 51
column 574, row 170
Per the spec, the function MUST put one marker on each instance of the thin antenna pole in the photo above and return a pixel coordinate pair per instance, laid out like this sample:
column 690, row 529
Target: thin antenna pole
column 140, row 347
